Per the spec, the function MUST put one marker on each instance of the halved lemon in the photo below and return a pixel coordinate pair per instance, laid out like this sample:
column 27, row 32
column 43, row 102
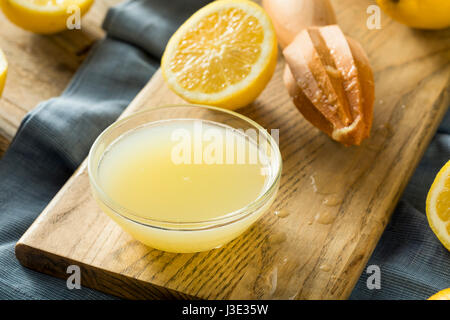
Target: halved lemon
column 44, row 16
column 441, row 295
column 438, row 205
column 3, row 71
column 224, row 55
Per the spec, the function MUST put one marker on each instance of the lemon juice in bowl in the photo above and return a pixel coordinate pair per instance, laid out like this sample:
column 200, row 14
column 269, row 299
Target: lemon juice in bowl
column 185, row 178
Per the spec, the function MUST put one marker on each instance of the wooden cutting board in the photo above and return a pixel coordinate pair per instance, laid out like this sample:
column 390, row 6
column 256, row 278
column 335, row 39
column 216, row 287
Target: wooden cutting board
column 338, row 199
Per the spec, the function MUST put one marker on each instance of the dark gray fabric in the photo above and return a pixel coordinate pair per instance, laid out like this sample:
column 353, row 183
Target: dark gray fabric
column 55, row 137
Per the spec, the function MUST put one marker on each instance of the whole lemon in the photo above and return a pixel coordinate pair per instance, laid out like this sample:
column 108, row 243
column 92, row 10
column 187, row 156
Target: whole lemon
column 422, row 14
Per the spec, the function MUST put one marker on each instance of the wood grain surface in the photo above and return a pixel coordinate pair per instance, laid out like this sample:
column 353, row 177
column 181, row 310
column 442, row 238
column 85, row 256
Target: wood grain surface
column 41, row 66
column 338, row 199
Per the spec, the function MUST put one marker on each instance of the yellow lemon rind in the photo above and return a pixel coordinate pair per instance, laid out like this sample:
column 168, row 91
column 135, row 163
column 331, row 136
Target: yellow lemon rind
column 41, row 19
column 435, row 223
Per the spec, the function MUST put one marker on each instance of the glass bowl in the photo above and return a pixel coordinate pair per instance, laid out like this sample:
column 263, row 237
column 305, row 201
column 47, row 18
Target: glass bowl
column 192, row 236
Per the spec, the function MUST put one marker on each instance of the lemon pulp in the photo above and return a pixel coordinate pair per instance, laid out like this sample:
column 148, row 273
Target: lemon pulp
column 438, row 205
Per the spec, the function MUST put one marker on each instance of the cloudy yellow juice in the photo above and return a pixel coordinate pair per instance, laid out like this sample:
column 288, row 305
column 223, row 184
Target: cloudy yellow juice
column 176, row 185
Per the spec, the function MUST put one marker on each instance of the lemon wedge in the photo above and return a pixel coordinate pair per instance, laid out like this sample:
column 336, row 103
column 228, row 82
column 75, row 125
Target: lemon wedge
column 44, row 16
column 3, row 71
column 224, row 55
column 438, row 205
column 441, row 295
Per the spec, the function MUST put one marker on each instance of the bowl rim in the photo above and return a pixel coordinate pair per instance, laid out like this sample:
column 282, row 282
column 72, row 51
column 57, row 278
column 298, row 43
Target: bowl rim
column 190, row 225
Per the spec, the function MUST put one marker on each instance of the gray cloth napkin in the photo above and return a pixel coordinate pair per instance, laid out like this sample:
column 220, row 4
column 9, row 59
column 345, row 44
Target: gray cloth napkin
column 54, row 138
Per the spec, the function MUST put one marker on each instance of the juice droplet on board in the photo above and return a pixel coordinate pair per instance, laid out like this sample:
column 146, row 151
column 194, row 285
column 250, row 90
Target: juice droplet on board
column 325, row 267
column 283, row 213
column 313, row 183
column 386, row 129
column 273, row 280
column 325, row 217
column 332, row 201
column 278, row 238
column 322, row 185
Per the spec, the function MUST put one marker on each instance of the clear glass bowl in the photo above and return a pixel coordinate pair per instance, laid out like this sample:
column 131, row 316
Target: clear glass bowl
column 195, row 236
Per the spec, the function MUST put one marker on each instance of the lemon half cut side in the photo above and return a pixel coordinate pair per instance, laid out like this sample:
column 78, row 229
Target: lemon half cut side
column 224, row 55
column 3, row 71
column 44, row 16
column 438, row 205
